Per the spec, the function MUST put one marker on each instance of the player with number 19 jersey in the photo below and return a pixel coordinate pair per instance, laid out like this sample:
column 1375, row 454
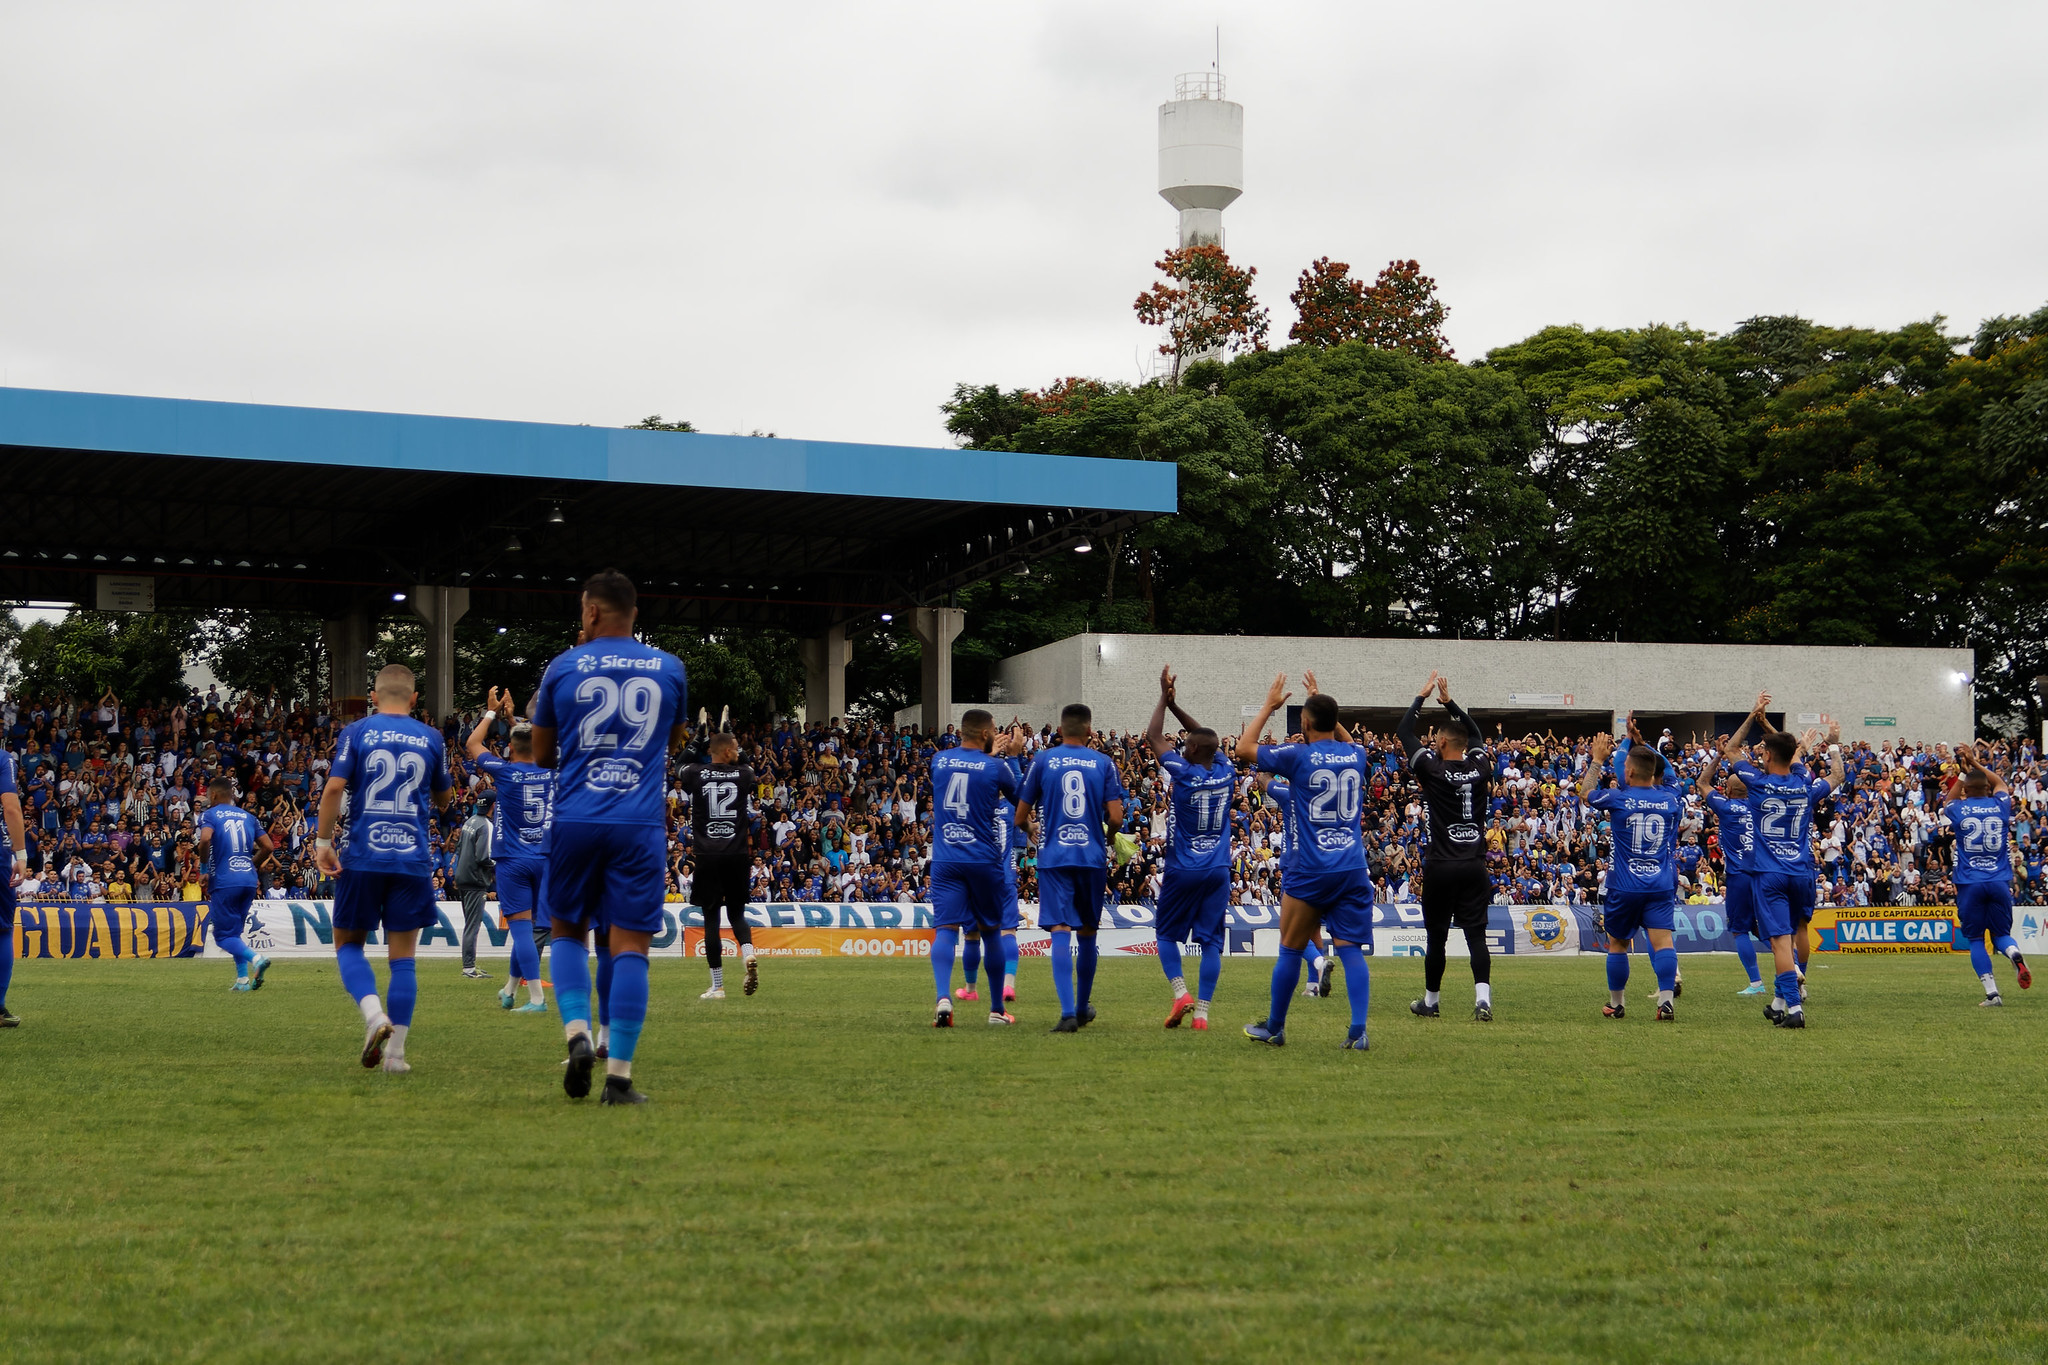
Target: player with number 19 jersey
column 613, row 704
column 1642, row 875
column 1326, row 782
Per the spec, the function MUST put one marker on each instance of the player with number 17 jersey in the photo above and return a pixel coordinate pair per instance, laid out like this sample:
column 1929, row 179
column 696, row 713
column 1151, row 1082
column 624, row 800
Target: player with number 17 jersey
column 612, row 704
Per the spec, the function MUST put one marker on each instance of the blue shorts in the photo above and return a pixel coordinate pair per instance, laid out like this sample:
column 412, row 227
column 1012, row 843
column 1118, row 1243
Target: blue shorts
column 608, row 874
column 393, row 901
column 1984, row 908
column 6, row 905
column 1628, row 911
column 1192, row 906
column 1782, row 902
column 1741, row 903
column 227, row 911
column 967, row 895
column 519, row 885
column 1343, row 901
column 1071, row 897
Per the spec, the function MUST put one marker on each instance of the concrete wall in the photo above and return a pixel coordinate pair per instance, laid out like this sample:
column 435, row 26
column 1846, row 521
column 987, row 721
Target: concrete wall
column 1221, row 675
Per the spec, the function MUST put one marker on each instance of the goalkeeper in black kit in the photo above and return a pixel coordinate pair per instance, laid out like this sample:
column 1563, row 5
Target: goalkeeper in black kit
column 1456, row 779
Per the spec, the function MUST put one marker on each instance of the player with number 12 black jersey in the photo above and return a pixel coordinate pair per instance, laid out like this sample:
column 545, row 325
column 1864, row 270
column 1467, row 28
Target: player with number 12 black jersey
column 720, row 826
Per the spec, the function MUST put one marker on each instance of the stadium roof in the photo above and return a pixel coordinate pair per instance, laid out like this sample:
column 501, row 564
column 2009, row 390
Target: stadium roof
column 312, row 508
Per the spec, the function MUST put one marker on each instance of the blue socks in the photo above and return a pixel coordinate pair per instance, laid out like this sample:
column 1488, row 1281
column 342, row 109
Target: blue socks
column 1617, row 971
column 1664, row 961
column 2006, row 944
column 1357, row 983
column 1980, row 957
column 604, row 981
column 1745, row 952
column 1286, row 977
column 970, row 960
column 571, row 963
column 1062, row 950
column 525, row 957
column 945, row 943
column 1088, row 959
column 6, row 962
column 234, row 948
column 626, row 1000
column 1787, row 988
column 1009, row 954
column 405, row 989
column 1169, row 959
column 356, row 977
column 1212, row 969
column 992, row 953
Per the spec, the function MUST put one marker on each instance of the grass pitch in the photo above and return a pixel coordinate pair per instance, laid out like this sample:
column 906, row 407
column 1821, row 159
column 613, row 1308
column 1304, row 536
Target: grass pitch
column 195, row 1175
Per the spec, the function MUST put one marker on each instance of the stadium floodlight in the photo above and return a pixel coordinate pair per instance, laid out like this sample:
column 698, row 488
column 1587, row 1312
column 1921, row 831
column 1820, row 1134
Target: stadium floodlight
column 1083, row 548
column 512, row 545
column 555, row 517
column 1963, row 679
column 398, row 597
column 887, row 617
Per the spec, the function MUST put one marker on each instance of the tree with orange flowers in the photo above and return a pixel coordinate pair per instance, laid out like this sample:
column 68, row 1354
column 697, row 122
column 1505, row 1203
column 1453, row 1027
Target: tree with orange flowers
column 1206, row 306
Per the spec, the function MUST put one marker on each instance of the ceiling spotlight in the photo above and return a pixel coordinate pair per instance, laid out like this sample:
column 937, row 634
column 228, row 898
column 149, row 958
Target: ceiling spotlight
column 887, row 617
column 512, row 545
column 555, row 517
column 1083, row 548
column 398, row 597
column 501, row 630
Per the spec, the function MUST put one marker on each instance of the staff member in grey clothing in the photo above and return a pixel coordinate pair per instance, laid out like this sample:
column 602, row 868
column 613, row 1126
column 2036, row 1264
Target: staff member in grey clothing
column 473, row 880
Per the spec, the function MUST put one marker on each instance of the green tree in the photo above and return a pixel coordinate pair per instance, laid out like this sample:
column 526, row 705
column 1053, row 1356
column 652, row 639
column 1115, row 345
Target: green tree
column 259, row 650
column 1329, row 306
column 141, row 656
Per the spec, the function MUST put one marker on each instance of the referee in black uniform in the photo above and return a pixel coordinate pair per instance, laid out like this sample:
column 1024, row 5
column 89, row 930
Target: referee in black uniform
column 720, row 790
column 1456, row 781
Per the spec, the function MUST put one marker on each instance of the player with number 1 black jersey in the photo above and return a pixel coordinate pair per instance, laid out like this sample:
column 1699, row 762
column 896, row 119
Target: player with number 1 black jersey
column 720, row 826
column 1456, row 776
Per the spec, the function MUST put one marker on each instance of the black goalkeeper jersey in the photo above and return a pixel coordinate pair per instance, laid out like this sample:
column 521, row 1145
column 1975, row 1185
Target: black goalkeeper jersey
column 719, row 825
column 1454, row 791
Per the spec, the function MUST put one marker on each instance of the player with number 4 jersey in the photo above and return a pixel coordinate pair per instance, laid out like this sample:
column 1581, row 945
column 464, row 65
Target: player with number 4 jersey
column 1982, row 822
column 969, row 849
column 1194, row 892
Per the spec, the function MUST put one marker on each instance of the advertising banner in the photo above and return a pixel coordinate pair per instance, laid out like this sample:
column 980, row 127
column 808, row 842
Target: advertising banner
column 1890, row 929
column 151, row 929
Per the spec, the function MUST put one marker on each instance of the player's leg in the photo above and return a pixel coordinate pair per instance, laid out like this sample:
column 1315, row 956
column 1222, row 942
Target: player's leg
column 1664, row 962
column 735, row 895
column 1774, row 900
column 1349, row 921
column 1298, row 920
column 635, row 884
column 1997, row 917
column 970, row 967
column 573, row 888
column 1619, row 917
column 1058, row 914
column 7, row 1018
column 951, row 908
column 525, row 964
column 228, row 915
column 1093, row 886
column 1475, row 895
column 1211, row 926
column 1012, row 918
column 992, row 953
column 1321, row 964
column 1174, row 921
column 601, row 950
column 1438, row 902
column 404, row 990
column 359, row 912
column 1740, row 902
column 714, row 950
column 1969, row 914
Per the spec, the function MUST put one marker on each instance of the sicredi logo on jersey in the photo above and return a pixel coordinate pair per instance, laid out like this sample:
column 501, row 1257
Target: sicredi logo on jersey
column 1323, row 760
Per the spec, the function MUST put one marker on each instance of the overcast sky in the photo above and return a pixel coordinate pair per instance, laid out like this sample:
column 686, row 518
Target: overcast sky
column 814, row 219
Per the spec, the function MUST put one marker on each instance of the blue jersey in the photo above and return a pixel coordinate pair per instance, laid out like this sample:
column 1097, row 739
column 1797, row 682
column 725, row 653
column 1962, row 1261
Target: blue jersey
column 1983, row 828
column 393, row 766
column 232, row 845
column 1784, row 817
column 968, row 787
column 1006, row 820
column 1645, row 826
column 1071, row 787
column 1327, row 779
column 1283, row 796
column 526, row 801
column 1738, row 831
column 1198, row 812
column 612, row 704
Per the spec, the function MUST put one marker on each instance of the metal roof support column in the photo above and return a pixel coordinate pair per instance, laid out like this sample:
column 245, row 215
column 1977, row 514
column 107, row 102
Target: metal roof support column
column 440, row 607
column 937, row 628
column 825, row 661
column 347, row 638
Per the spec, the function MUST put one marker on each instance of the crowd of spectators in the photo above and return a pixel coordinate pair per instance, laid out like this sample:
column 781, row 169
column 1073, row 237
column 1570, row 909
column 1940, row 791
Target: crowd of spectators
column 110, row 794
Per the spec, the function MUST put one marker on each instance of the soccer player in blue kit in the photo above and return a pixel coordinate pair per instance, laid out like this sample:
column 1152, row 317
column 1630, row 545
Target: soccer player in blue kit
column 519, row 826
column 391, row 768
column 1982, row 821
column 1642, row 875
column 1781, row 796
column 1328, row 884
column 969, row 845
column 1073, row 790
column 608, row 712
column 233, row 837
column 17, row 840
column 1737, row 824
column 1194, row 892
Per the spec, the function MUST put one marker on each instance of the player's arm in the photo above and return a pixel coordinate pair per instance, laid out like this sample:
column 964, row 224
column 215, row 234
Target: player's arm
column 1309, row 688
column 323, row 833
column 1248, row 741
column 1155, row 729
column 1589, row 782
column 1408, row 730
column 17, row 834
column 1475, row 736
column 1705, row 785
column 1837, row 772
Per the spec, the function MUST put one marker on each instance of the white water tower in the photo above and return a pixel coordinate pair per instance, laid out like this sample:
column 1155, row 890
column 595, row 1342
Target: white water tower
column 1201, row 155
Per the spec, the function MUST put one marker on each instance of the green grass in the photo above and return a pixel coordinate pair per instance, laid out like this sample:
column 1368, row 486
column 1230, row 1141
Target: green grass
column 195, row 1175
